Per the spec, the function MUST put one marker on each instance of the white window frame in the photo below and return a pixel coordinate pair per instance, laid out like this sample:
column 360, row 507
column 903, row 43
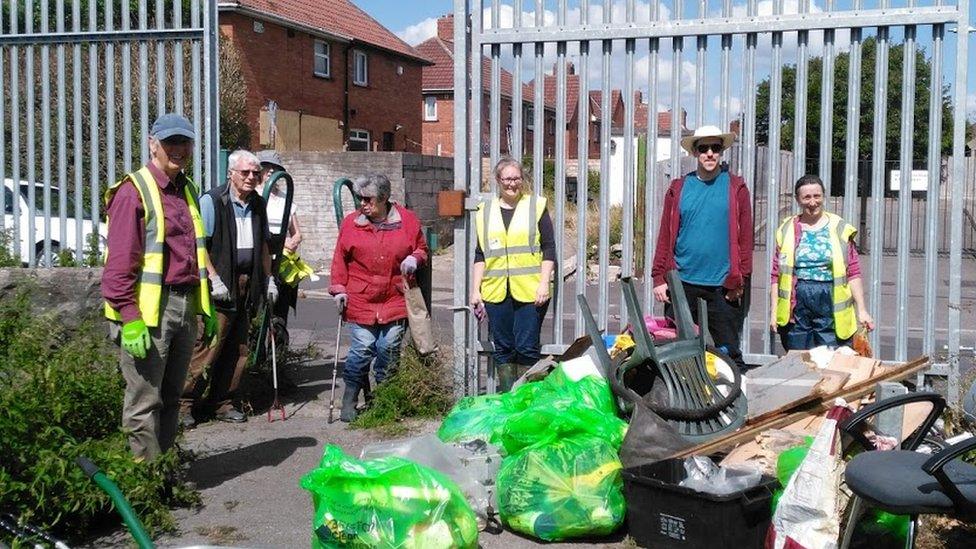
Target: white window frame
column 326, row 55
column 429, row 115
column 530, row 117
column 361, row 136
column 357, row 78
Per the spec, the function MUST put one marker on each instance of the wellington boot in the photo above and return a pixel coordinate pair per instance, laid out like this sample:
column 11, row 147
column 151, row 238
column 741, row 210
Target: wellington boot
column 349, row 398
column 505, row 376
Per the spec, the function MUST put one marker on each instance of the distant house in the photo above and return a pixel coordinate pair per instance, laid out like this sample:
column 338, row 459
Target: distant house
column 322, row 75
column 438, row 101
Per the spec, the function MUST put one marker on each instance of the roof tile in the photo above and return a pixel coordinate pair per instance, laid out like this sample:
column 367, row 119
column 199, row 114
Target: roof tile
column 340, row 17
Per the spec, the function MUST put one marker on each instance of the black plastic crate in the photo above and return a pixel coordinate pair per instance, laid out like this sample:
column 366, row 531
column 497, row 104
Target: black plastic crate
column 661, row 514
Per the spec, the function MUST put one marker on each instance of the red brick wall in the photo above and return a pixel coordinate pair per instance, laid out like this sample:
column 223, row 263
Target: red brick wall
column 442, row 130
column 280, row 68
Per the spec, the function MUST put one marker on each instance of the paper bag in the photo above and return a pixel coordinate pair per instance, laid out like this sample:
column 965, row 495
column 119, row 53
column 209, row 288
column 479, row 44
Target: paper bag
column 418, row 318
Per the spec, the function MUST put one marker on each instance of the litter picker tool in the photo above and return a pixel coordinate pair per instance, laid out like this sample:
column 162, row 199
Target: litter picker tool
column 335, row 369
column 276, row 404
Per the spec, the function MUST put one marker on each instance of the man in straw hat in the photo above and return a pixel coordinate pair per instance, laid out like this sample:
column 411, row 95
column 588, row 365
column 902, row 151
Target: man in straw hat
column 707, row 235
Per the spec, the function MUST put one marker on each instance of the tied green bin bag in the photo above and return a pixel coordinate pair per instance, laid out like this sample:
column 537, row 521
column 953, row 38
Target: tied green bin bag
column 387, row 502
column 568, row 488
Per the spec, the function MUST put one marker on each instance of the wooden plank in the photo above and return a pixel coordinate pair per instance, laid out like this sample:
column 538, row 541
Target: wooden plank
column 779, row 384
column 832, row 381
column 816, row 407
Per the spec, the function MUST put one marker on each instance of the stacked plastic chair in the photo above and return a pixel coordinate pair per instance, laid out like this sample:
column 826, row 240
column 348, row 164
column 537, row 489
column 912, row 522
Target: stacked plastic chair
column 677, row 385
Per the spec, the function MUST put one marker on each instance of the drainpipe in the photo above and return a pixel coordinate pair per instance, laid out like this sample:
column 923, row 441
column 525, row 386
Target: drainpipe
column 345, row 108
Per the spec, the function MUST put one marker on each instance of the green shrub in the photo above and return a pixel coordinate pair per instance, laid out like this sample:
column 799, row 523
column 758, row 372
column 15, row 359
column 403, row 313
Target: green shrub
column 419, row 388
column 60, row 398
column 9, row 256
column 615, row 223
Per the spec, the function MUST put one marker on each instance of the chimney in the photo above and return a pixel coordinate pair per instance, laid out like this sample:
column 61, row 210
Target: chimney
column 445, row 28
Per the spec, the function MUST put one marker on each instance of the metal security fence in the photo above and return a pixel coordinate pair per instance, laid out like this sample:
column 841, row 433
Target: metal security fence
column 709, row 61
column 82, row 80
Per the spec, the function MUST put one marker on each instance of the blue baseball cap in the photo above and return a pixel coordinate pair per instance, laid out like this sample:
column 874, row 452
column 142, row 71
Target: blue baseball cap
column 171, row 124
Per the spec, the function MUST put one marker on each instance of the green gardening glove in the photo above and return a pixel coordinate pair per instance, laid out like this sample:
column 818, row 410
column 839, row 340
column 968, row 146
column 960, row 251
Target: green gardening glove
column 209, row 329
column 135, row 338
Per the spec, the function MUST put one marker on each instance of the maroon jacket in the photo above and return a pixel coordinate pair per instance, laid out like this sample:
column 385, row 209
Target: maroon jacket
column 740, row 231
column 366, row 265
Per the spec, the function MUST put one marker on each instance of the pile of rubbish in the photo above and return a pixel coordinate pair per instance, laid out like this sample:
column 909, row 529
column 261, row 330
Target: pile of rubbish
column 660, row 428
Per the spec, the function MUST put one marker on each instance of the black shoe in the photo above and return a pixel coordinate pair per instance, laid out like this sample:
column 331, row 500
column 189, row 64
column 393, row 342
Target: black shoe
column 231, row 416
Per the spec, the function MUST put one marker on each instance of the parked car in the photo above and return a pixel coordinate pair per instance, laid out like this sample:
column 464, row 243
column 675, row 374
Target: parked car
column 23, row 248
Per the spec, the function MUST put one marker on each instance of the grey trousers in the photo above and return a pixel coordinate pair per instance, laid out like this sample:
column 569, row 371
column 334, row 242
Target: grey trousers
column 153, row 385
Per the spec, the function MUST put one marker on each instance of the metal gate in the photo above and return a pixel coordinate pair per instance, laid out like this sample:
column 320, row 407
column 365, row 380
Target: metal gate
column 709, row 60
column 82, row 82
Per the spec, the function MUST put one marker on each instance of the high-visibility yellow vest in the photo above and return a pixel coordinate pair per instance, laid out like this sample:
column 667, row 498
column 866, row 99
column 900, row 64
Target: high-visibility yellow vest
column 293, row 269
column 513, row 257
column 845, row 319
column 149, row 287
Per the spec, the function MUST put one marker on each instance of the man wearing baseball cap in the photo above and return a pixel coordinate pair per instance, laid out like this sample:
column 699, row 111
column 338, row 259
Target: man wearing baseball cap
column 155, row 284
column 707, row 236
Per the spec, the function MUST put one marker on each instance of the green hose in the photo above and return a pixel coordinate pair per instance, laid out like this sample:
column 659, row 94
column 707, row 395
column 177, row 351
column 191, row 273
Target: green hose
column 121, row 504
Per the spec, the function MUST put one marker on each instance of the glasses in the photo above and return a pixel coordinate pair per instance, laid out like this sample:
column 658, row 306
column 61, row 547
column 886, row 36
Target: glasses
column 252, row 173
column 367, row 199
column 515, row 179
column 714, row 147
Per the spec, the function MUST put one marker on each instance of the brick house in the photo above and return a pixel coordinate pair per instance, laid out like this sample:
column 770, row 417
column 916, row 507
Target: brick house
column 438, row 100
column 324, row 75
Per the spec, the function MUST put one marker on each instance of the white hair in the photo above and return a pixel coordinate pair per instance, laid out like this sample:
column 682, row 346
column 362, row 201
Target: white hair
column 241, row 154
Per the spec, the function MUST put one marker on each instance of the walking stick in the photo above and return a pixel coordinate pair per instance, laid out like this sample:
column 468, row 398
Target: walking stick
column 335, row 369
column 276, row 405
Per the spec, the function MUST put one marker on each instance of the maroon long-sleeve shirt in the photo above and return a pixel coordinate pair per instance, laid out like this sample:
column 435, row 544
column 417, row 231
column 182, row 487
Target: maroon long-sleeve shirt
column 127, row 241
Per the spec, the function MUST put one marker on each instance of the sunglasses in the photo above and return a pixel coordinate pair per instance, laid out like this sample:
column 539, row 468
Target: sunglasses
column 245, row 173
column 714, row 147
column 367, row 199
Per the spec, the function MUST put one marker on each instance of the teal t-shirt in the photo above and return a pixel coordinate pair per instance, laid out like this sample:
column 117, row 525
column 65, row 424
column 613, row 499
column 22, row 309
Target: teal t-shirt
column 701, row 250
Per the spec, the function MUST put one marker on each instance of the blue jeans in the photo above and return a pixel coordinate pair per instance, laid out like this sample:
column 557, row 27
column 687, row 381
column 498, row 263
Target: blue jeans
column 379, row 341
column 813, row 318
column 515, row 329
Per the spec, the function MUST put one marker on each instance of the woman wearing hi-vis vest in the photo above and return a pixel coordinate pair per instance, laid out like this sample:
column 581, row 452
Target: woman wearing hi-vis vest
column 816, row 276
column 513, row 266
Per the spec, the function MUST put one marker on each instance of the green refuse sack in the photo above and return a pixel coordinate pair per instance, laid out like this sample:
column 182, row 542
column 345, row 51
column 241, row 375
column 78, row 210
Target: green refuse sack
column 568, row 402
column 387, row 502
column 476, row 417
column 565, row 489
column 562, row 408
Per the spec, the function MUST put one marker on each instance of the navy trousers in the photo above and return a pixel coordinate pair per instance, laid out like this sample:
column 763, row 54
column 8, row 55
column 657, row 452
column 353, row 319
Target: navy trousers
column 515, row 329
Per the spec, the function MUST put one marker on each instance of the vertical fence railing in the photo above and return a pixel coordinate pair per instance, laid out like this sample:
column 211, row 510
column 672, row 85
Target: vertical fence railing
column 905, row 232
column 66, row 69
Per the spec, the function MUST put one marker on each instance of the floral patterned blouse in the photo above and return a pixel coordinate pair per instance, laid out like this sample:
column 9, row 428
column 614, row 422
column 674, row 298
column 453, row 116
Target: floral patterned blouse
column 813, row 255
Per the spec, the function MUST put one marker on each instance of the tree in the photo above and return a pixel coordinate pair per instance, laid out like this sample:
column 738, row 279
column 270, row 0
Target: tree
column 923, row 82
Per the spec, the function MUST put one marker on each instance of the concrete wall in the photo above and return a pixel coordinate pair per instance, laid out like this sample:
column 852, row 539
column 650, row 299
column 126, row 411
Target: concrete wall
column 415, row 181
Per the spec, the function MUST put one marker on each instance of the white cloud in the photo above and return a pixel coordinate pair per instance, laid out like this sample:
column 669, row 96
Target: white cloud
column 417, row 33
column 971, row 106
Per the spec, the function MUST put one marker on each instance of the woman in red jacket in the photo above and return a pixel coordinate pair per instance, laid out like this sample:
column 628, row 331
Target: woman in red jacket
column 378, row 246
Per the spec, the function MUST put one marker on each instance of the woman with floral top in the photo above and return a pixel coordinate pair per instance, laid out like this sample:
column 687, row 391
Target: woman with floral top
column 816, row 276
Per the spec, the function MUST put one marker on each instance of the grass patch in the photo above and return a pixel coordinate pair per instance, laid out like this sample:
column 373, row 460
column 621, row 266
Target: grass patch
column 420, row 388
column 61, row 397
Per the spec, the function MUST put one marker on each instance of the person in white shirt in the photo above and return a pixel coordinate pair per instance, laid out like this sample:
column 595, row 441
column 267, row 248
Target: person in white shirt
column 271, row 163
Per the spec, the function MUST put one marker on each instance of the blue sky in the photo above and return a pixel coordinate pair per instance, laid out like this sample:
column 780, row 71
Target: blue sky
column 415, row 20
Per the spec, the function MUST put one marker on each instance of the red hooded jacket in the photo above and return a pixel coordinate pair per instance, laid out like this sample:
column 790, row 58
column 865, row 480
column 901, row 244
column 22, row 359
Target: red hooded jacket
column 740, row 232
column 366, row 265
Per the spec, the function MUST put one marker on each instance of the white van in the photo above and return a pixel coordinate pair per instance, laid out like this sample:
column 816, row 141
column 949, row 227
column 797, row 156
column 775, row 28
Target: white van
column 37, row 240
